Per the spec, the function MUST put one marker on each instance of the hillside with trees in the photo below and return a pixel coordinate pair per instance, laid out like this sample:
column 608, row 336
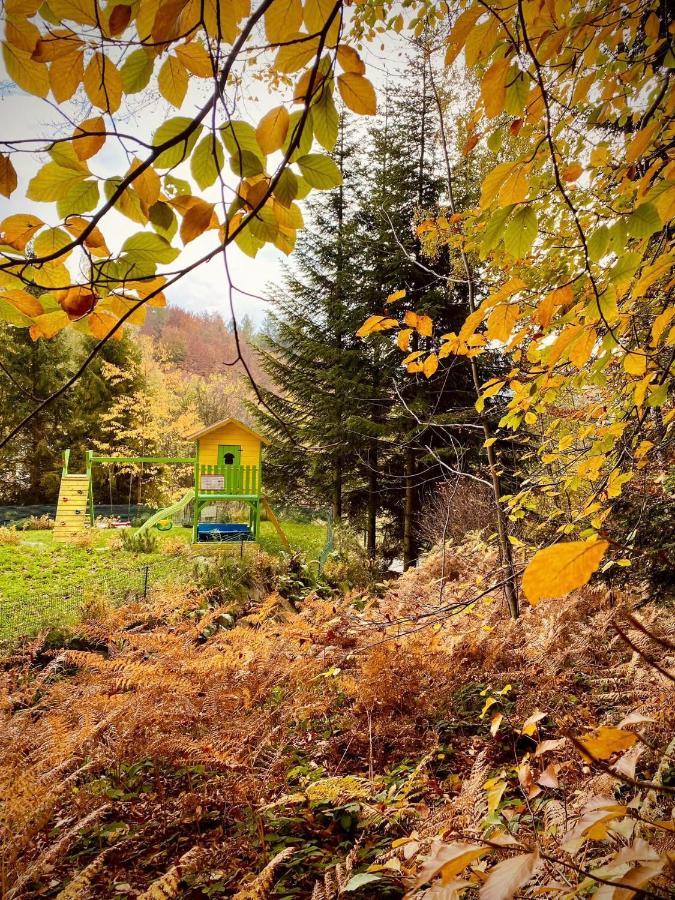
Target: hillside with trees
column 457, row 684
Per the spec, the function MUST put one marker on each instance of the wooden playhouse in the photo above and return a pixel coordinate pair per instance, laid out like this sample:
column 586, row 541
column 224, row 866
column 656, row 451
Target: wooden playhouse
column 227, row 468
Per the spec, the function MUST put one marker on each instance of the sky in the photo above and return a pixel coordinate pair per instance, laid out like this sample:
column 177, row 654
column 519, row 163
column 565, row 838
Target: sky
column 206, row 289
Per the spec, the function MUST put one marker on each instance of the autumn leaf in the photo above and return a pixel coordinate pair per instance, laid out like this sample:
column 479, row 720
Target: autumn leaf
column 559, row 569
column 8, row 179
column 272, row 130
column 605, row 742
column 508, row 876
column 357, row 93
column 196, row 220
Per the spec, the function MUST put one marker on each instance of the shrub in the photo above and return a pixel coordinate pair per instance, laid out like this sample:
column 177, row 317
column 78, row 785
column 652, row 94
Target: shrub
column 455, row 509
column 83, row 541
column 37, row 523
column 175, row 546
column 135, row 542
column 348, row 566
column 8, row 536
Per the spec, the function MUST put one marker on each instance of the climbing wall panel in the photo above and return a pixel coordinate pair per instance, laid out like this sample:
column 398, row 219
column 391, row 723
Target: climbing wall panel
column 71, row 509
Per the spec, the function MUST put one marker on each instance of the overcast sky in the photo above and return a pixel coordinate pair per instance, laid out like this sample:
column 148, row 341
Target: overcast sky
column 25, row 116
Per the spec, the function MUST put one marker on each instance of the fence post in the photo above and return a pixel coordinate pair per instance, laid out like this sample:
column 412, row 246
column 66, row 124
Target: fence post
column 145, row 581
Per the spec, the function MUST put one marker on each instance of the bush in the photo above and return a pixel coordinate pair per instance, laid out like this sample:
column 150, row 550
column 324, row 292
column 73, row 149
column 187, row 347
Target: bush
column 348, row 566
column 175, row 546
column 37, row 523
column 143, row 542
column 8, row 536
column 83, row 541
column 456, row 509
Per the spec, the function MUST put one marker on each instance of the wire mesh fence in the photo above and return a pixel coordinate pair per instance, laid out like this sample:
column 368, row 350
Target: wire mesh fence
column 35, row 610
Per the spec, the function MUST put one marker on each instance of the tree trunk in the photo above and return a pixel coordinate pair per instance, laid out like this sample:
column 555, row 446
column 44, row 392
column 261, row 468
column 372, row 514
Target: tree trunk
column 409, row 509
column 371, row 537
column 337, row 490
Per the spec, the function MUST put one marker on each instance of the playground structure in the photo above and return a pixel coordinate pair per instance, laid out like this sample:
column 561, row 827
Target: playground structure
column 227, row 467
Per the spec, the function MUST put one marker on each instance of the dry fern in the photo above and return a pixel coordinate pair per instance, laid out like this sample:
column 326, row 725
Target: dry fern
column 259, row 888
column 81, row 884
column 166, row 887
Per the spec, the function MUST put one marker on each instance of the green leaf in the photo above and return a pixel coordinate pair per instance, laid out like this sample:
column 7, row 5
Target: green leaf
column 146, row 245
column 246, row 164
column 50, row 241
column 325, row 120
column 240, row 136
column 624, row 268
column 207, row 161
column 10, row 314
column 319, row 171
column 521, row 232
column 176, row 154
column 598, row 242
column 264, row 225
column 247, row 242
column 287, row 187
column 82, row 198
column 493, row 233
column 136, row 71
column 359, row 881
column 644, row 221
column 163, row 219
column 177, row 187
column 53, row 182
column 517, row 89
column 129, row 203
column 306, row 137
column 303, row 189
column 496, row 140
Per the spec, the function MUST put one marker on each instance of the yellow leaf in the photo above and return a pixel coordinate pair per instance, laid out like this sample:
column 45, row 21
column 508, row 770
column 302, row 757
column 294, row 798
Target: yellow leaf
column 89, row 138
column 94, row 240
column 147, row 185
column 357, row 93
column 22, row 34
column 65, row 75
column 603, row 742
column 316, row 16
column 493, row 87
column 635, row 363
column 49, row 324
column 196, row 220
column 103, row 83
column 450, row 859
column 430, row 365
column 172, row 80
column 422, row 324
column 24, row 302
column 272, row 129
column 507, row 182
column 501, row 321
column 296, row 53
column 18, row 229
column 196, row 59
column 460, row 31
column 581, row 349
column 81, row 11
column 640, row 142
column 8, row 180
column 283, row 20
column 571, row 173
column 397, row 295
column 660, row 324
column 403, row 339
column 557, row 570
column 350, row 60
column 30, row 75
column 376, row 323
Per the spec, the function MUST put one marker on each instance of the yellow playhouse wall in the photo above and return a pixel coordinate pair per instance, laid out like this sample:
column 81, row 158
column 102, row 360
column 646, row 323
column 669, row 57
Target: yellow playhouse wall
column 229, row 434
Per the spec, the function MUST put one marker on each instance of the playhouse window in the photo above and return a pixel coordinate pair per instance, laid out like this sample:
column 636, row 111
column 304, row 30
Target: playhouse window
column 228, row 459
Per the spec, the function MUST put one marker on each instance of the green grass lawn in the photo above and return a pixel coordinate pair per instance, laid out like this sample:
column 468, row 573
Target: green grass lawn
column 43, row 583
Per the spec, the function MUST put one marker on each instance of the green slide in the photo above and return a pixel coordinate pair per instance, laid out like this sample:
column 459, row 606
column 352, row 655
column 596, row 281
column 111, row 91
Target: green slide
column 169, row 511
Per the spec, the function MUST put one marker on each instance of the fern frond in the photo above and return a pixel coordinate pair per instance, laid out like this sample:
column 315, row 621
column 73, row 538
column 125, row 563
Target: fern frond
column 166, row 887
column 81, row 883
column 259, row 888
